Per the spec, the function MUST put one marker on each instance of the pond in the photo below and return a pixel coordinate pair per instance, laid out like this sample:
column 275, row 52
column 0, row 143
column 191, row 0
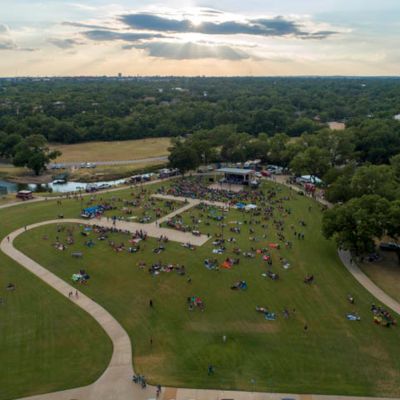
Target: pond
column 52, row 187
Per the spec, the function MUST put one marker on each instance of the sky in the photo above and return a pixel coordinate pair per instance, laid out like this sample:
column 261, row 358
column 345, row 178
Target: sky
column 199, row 37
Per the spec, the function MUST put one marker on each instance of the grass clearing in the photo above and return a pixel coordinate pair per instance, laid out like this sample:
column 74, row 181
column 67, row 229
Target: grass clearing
column 385, row 273
column 110, row 172
column 113, row 151
column 335, row 356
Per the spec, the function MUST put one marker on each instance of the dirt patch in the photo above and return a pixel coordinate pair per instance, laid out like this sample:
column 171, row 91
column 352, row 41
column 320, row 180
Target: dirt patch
column 376, row 352
column 236, row 327
column 45, row 178
column 389, row 384
column 149, row 360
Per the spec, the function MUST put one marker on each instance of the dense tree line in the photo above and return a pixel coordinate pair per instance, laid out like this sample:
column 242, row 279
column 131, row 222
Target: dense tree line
column 77, row 110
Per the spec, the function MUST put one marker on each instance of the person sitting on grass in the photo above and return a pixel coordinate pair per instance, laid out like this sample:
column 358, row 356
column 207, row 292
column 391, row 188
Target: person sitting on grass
column 309, row 279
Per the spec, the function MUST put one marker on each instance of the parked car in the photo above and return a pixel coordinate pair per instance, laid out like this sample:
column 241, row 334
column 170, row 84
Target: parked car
column 275, row 169
column 57, row 166
column 87, row 165
column 91, row 187
column 104, row 186
column 389, row 246
column 265, row 173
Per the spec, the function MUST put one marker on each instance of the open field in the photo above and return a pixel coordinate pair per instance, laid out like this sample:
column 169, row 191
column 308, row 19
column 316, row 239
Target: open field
column 9, row 170
column 44, row 337
column 113, row 151
column 385, row 273
column 279, row 355
column 8, row 198
column 110, row 172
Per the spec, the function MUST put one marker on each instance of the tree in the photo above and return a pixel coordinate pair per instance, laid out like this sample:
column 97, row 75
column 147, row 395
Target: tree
column 374, row 179
column 234, row 148
column 8, row 143
column 313, row 161
column 377, row 140
column 395, row 163
column 277, row 149
column 338, row 183
column 33, row 152
column 393, row 224
column 301, row 126
column 356, row 224
column 183, row 157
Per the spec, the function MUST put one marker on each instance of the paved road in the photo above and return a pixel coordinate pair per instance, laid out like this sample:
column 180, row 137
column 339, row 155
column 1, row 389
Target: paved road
column 120, row 162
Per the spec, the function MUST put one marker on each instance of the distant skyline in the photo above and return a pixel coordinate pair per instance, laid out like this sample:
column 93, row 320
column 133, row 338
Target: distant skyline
column 224, row 38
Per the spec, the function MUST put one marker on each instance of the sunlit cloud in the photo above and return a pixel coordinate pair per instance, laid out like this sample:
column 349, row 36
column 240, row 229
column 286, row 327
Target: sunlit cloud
column 198, row 37
column 276, row 26
column 189, row 51
column 64, row 43
column 102, row 36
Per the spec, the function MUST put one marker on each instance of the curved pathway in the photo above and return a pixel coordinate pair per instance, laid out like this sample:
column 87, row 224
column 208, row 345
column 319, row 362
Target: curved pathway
column 115, row 382
column 352, row 267
column 363, row 279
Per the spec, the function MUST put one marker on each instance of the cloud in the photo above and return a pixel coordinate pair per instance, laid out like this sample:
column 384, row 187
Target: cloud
column 277, row 26
column 211, row 12
column 83, row 25
column 103, row 36
column 189, row 51
column 7, row 45
column 64, row 43
column 3, row 29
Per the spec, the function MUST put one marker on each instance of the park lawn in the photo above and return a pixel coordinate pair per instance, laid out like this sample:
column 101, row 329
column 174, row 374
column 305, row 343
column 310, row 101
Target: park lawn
column 44, row 337
column 7, row 198
column 9, row 170
column 147, row 209
column 335, row 356
column 113, row 151
column 385, row 273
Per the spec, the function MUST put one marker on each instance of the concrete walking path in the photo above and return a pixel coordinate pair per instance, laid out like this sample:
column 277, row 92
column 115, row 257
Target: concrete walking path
column 153, row 229
column 363, row 279
column 348, row 262
column 115, row 383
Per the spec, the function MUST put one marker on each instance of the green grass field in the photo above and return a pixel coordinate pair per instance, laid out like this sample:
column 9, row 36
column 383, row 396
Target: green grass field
column 385, row 273
column 335, row 356
column 46, row 343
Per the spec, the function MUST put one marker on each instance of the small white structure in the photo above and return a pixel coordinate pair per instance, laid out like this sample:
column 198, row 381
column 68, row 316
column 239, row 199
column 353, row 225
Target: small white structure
column 309, row 179
column 238, row 176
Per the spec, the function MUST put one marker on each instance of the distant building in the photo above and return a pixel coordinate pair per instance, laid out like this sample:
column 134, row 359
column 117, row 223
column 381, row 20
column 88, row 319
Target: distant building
column 59, row 104
column 397, row 117
column 336, row 126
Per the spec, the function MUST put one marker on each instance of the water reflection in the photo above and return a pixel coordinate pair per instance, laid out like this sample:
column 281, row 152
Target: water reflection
column 51, row 187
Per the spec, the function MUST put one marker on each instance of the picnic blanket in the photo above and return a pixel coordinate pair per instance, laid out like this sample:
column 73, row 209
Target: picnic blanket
column 270, row 316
